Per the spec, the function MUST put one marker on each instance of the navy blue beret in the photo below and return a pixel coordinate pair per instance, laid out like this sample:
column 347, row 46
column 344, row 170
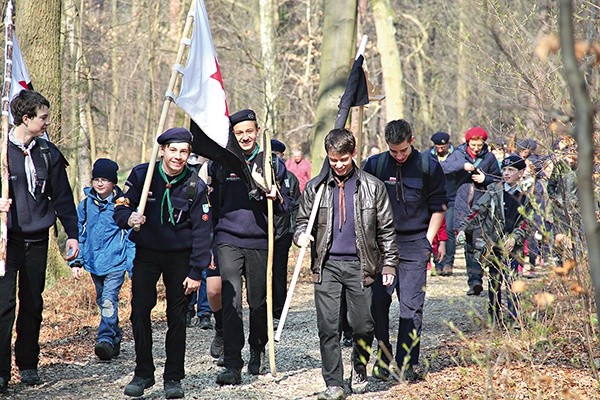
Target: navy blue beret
column 175, row 135
column 514, row 161
column 440, row 138
column 277, row 146
column 241, row 116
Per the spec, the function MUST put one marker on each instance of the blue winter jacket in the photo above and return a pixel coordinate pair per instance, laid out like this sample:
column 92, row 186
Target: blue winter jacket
column 103, row 246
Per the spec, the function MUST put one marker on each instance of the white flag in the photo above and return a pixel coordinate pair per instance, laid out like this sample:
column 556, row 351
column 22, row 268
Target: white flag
column 202, row 95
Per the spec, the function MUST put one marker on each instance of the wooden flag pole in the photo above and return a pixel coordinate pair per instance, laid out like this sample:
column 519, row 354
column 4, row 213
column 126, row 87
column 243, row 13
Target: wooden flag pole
column 268, row 174
column 290, row 293
column 183, row 43
column 4, row 134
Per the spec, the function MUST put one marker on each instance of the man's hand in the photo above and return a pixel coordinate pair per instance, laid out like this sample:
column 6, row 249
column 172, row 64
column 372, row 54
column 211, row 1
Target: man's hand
column 71, row 249
column 478, row 176
column 190, row 286
column 304, row 240
column 272, row 195
column 136, row 219
column 388, row 279
column 441, row 251
column 5, row 204
column 461, row 238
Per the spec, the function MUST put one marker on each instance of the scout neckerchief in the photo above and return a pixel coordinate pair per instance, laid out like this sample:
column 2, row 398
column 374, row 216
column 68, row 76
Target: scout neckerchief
column 341, row 183
column 167, row 195
column 30, row 172
column 252, row 156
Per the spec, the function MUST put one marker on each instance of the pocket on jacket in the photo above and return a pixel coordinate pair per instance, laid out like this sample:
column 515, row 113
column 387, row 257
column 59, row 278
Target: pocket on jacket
column 412, row 189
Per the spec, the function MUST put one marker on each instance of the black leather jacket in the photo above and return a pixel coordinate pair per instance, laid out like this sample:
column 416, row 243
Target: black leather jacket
column 374, row 221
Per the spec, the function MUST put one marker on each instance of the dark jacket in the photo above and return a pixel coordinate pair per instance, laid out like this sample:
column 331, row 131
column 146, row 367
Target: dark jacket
column 456, row 176
column 193, row 228
column 31, row 218
column 374, row 224
column 286, row 224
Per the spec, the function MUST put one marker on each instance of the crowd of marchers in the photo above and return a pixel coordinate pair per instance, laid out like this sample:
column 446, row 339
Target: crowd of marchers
column 378, row 229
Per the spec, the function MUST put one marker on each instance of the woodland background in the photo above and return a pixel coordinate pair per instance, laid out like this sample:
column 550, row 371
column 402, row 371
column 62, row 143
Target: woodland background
column 105, row 65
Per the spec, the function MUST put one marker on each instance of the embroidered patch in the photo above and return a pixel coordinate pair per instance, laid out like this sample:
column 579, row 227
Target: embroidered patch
column 204, row 217
column 122, row 201
column 205, row 208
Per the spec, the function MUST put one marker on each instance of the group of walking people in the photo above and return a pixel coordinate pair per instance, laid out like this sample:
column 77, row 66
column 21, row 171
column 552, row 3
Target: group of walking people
column 374, row 234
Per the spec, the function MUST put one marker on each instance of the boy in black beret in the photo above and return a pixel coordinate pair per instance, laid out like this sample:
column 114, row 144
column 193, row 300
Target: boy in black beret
column 39, row 192
column 503, row 231
column 241, row 248
column 174, row 240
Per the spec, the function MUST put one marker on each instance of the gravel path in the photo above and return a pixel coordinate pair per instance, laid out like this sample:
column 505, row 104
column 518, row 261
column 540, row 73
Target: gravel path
column 297, row 355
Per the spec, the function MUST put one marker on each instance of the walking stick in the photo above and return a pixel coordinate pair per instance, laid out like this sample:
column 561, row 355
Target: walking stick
column 290, row 293
column 183, row 43
column 268, row 174
column 4, row 134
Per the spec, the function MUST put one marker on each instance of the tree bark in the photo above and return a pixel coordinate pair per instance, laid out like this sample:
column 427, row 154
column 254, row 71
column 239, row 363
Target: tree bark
column 584, row 113
column 391, row 66
column 339, row 27
column 268, row 11
column 37, row 24
column 462, row 67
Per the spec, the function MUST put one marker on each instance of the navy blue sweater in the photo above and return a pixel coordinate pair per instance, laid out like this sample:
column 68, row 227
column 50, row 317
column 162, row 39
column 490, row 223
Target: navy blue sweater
column 343, row 242
column 30, row 219
column 404, row 183
column 193, row 228
column 241, row 221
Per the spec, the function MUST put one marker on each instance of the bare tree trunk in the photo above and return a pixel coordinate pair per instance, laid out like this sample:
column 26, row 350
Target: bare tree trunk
column 584, row 114
column 115, row 74
column 391, row 66
column 38, row 29
column 268, row 11
column 462, row 67
column 338, row 48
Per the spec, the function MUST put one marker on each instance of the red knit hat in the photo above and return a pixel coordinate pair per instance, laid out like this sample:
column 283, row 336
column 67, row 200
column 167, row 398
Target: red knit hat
column 476, row 131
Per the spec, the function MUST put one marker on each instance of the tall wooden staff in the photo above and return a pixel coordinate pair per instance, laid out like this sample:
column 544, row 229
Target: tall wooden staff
column 4, row 133
column 183, row 43
column 268, row 173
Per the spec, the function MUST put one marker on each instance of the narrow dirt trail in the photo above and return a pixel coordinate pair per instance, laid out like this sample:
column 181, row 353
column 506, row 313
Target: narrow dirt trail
column 297, row 355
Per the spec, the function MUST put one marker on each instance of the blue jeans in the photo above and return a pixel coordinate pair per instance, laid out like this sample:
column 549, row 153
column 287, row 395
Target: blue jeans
column 107, row 298
column 199, row 300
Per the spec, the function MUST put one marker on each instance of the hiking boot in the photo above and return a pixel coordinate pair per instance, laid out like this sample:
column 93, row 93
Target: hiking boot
column 332, row 393
column 3, row 385
column 475, row 290
column 204, row 322
column 446, row 271
column 216, row 347
column 30, row 377
column 173, row 389
column 380, row 372
column 358, row 380
column 136, row 387
column 116, row 350
column 412, row 376
column 256, row 365
column 230, row 377
column 104, row 351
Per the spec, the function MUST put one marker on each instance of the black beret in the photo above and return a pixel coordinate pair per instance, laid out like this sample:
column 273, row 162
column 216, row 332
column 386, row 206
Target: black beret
column 105, row 168
column 175, row 135
column 440, row 138
column 514, row 161
column 241, row 116
column 277, row 146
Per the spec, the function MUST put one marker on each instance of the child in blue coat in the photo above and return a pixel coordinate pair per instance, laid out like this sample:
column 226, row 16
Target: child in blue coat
column 105, row 252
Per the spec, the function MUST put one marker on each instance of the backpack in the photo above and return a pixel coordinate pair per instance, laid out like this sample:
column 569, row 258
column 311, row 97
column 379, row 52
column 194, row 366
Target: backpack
column 382, row 161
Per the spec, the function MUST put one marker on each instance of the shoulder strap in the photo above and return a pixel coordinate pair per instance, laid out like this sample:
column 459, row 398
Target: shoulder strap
column 426, row 176
column 45, row 149
column 192, row 187
column 381, row 164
